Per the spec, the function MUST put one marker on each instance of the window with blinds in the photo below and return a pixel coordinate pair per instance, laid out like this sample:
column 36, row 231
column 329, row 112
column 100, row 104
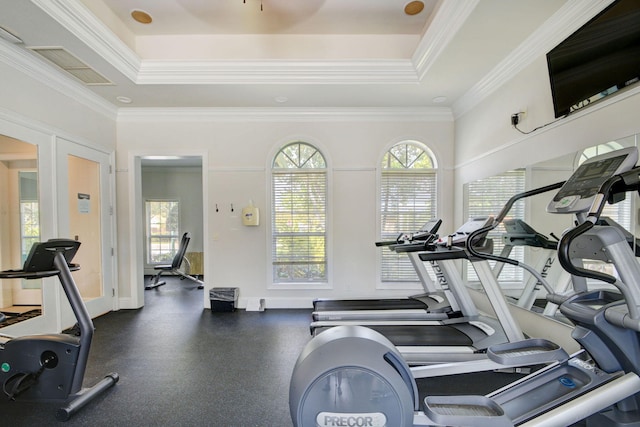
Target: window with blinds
column 163, row 230
column 487, row 197
column 299, row 215
column 407, row 202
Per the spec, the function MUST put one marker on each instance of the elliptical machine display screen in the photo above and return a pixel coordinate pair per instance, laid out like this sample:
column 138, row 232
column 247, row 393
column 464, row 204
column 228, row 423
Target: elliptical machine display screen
column 576, row 194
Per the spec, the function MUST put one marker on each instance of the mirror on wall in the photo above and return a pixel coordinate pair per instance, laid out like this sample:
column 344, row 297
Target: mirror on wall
column 19, row 227
column 531, row 233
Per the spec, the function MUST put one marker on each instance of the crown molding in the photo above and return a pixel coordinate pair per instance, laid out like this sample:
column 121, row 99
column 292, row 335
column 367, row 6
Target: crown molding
column 450, row 15
column 26, row 63
column 277, row 71
column 77, row 19
column 285, row 114
column 559, row 26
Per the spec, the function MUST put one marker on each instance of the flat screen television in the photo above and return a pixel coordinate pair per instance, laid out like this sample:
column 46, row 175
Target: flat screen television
column 600, row 58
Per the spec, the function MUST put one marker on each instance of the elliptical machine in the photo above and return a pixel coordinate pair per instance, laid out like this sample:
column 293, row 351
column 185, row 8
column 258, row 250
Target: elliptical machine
column 51, row 367
column 351, row 375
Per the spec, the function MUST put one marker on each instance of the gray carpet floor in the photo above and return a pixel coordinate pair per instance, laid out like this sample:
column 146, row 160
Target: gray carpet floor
column 182, row 365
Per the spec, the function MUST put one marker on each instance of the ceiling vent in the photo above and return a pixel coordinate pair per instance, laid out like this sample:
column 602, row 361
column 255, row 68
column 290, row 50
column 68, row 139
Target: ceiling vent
column 71, row 65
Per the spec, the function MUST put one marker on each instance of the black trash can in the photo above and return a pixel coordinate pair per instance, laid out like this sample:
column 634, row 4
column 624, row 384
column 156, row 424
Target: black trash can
column 223, row 299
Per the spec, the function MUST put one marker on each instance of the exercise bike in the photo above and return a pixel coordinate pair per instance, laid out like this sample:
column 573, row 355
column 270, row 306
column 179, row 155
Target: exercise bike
column 51, row 367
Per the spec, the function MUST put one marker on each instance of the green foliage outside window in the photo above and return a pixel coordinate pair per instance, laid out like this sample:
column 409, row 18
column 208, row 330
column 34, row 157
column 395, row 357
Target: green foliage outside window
column 299, row 194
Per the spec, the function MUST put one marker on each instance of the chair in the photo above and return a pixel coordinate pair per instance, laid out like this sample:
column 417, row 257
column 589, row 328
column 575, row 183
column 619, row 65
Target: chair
column 174, row 267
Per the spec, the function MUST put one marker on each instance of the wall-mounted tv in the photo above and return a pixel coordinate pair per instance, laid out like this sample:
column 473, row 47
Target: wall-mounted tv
column 599, row 59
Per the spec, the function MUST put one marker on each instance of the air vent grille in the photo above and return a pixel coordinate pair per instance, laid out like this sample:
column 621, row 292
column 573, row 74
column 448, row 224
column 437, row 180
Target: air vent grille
column 69, row 63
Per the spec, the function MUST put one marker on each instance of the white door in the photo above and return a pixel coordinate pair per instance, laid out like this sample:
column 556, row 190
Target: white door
column 85, row 214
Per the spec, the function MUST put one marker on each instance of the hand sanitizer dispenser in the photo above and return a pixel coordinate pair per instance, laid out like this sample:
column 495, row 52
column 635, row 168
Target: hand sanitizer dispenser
column 250, row 215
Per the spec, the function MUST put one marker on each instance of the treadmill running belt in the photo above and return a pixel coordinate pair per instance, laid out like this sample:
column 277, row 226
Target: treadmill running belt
column 382, row 304
column 412, row 335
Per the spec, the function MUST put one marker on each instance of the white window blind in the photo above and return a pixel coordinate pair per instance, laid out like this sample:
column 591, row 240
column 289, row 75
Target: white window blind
column 487, row 197
column 407, row 202
column 163, row 235
column 299, row 215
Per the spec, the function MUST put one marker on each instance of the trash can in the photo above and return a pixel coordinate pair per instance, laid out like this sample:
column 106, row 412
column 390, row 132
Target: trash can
column 223, row 299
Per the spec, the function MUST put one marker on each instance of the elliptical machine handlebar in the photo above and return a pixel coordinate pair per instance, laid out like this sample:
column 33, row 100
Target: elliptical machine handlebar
column 499, row 218
column 612, row 191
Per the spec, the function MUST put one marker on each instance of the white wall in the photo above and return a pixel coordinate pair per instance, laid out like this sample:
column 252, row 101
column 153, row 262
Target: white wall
column 61, row 112
column 239, row 152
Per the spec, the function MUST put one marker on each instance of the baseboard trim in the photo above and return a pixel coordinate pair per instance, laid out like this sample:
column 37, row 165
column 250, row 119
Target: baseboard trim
column 275, row 303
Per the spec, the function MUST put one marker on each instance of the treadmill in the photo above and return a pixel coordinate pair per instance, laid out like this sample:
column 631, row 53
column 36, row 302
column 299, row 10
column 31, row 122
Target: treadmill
column 440, row 300
column 454, row 339
column 426, row 235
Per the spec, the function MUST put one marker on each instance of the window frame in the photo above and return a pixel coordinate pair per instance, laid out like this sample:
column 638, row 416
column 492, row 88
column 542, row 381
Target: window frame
column 402, row 283
column 175, row 238
column 326, row 282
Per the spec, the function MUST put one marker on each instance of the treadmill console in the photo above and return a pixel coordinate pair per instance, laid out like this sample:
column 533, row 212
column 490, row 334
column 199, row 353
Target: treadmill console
column 460, row 236
column 427, row 232
column 576, row 195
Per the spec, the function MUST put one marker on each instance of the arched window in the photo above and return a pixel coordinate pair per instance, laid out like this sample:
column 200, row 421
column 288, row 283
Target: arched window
column 299, row 214
column 407, row 201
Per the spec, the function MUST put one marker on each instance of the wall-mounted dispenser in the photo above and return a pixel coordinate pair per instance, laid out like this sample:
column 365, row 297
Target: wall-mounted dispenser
column 250, row 215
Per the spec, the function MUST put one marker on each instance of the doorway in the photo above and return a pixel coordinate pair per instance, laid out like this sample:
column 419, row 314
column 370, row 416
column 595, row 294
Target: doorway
column 170, row 201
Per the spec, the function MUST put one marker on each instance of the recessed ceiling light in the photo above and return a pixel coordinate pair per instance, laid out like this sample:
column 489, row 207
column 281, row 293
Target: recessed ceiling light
column 439, row 99
column 124, row 99
column 141, row 16
column 413, row 8
column 281, row 99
